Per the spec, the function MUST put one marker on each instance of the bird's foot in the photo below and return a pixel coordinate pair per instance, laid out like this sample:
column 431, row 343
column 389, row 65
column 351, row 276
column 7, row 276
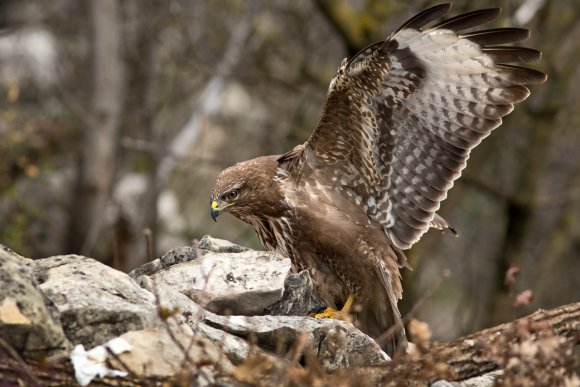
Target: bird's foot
column 336, row 314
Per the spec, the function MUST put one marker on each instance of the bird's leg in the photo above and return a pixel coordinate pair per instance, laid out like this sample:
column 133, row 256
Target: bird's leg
column 336, row 314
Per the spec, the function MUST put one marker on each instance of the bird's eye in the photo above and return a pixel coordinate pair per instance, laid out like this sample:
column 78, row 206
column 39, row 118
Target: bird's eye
column 232, row 195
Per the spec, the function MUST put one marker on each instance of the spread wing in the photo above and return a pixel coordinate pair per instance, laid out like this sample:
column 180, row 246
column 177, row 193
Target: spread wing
column 403, row 114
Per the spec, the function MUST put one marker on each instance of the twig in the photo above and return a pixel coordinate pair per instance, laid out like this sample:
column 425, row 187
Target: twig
column 123, row 365
column 26, row 371
column 295, row 353
column 298, row 349
column 148, row 240
column 165, row 317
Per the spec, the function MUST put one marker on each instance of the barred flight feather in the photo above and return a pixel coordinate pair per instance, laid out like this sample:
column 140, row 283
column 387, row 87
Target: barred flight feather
column 400, row 120
column 434, row 93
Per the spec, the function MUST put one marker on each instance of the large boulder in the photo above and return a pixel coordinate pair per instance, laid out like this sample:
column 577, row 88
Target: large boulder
column 96, row 303
column 29, row 322
column 335, row 343
column 233, row 280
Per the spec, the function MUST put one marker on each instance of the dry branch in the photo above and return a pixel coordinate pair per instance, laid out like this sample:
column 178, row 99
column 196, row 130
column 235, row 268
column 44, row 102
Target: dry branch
column 474, row 355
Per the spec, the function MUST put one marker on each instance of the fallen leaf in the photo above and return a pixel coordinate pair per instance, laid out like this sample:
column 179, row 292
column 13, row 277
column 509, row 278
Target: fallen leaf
column 419, row 331
column 511, row 274
column 525, row 298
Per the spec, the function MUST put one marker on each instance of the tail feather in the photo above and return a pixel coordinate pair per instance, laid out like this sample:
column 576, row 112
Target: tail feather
column 382, row 321
column 379, row 316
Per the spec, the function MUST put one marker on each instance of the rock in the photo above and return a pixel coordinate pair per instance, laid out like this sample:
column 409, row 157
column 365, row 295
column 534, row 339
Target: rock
column 237, row 283
column 173, row 350
column 173, row 257
column 234, row 347
column 335, row 343
column 298, row 299
column 215, row 245
column 172, row 299
column 187, row 253
column 333, row 349
column 7, row 254
column 96, row 303
column 485, row 380
column 165, row 312
column 29, row 322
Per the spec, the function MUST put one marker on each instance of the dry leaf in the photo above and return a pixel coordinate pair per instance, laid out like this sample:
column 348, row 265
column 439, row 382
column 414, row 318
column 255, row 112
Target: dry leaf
column 511, row 274
column 525, row 298
column 419, row 331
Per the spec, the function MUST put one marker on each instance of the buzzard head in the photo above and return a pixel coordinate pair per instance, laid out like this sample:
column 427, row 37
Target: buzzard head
column 247, row 190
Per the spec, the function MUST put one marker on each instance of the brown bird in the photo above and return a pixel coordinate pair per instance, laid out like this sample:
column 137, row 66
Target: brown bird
column 400, row 119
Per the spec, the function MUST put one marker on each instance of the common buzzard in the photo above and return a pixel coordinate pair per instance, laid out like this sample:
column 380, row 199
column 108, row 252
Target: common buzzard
column 400, row 119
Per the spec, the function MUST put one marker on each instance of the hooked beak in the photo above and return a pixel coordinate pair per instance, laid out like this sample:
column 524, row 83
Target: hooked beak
column 214, row 211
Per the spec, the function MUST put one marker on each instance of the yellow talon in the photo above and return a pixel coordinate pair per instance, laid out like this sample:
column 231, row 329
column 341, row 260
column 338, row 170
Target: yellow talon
column 337, row 314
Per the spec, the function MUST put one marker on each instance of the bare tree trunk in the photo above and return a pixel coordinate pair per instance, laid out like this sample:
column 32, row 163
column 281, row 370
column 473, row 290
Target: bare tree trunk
column 98, row 164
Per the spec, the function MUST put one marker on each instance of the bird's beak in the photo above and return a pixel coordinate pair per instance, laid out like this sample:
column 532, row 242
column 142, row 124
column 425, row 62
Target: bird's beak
column 214, row 211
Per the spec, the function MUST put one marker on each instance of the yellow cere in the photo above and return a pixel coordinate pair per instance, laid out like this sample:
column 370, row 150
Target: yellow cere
column 214, row 204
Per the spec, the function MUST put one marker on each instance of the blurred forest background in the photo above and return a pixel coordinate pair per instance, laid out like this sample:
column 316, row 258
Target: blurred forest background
column 116, row 116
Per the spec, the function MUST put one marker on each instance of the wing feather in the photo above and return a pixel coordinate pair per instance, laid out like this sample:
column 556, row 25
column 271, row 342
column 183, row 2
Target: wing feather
column 497, row 36
column 504, row 54
column 402, row 116
column 469, row 19
column 425, row 17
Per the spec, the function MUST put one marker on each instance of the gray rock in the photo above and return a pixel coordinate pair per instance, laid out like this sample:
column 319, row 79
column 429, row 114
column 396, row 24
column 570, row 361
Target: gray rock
column 169, row 351
column 216, row 245
column 333, row 348
column 485, row 380
column 234, row 347
column 96, row 303
column 7, row 254
column 171, row 299
column 298, row 299
column 237, row 283
column 186, row 254
column 173, row 257
column 335, row 343
column 29, row 322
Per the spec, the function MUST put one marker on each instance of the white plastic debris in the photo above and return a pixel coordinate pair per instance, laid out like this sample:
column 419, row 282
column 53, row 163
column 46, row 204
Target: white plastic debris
column 91, row 364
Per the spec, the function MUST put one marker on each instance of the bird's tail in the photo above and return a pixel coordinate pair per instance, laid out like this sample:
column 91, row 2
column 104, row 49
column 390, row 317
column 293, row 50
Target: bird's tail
column 380, row 317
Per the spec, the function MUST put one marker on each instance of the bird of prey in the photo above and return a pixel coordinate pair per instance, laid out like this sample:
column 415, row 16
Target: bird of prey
column 399, row 121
